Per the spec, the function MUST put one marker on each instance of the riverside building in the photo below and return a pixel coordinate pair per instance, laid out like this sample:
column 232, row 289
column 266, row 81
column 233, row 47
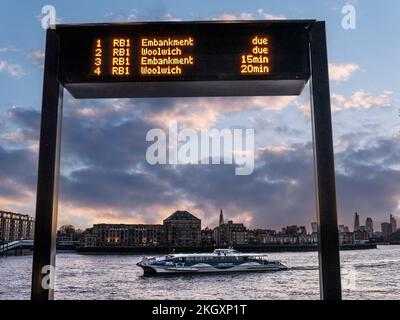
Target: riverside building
column 16, row 226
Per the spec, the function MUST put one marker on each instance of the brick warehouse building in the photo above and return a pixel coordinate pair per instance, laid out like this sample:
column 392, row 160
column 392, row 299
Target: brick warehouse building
column 16, row 226
column 180, row 229
column 124, row 235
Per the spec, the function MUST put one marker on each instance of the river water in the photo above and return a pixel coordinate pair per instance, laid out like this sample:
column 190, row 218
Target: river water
column 366, row 274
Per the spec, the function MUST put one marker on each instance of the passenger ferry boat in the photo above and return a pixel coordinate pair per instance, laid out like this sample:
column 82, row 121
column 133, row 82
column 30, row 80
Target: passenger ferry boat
column 221, row 260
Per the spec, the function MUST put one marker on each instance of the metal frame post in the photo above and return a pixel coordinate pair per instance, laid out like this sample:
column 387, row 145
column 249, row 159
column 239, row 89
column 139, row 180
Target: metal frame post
column 44, row 252
column 328, row 238
column 49, row 161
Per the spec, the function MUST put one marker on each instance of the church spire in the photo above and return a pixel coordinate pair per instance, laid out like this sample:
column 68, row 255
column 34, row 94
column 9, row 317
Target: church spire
column 221, row 218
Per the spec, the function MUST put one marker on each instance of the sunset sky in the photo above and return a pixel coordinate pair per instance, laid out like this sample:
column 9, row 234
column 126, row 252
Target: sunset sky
column 105, row 176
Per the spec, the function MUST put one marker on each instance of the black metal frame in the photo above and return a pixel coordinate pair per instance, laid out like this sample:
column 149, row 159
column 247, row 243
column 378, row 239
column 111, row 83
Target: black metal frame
column 44, row 252
column 49, row 161
column 324, row 167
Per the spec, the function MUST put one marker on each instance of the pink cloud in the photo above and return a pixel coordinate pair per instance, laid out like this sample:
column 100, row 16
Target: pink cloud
column 342, row 71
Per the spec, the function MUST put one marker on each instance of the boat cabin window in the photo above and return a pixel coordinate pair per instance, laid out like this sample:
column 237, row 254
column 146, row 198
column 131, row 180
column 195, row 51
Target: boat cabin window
column 179, row 259
column 217, row 258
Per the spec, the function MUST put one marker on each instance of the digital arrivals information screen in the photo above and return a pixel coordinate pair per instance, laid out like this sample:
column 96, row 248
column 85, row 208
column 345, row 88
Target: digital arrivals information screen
column 171, row 57
column 185, row 52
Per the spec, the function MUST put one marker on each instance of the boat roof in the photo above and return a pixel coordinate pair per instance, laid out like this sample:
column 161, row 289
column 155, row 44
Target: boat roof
column 218, row 253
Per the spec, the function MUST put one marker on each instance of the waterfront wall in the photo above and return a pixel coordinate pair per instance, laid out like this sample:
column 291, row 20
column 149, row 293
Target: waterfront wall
column 243, row 248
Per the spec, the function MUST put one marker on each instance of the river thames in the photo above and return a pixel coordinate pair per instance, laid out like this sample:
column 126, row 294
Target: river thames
column 366, row 274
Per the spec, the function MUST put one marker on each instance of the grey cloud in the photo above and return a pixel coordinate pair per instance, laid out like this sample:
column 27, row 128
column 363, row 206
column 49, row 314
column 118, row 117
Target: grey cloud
column 28, row 120
column 18, row 166
column 108, row 146
column 280, row 191
column 385, row 152
column 126, row 192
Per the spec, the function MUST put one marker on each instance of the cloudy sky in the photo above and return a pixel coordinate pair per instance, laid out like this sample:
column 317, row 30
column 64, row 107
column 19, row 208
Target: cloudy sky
column 105, row 176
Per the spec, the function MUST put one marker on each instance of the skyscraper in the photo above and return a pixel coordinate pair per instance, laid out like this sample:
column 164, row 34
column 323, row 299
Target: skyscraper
column 393, row 223
column 386, row 230
column 314, row 227
column 221, row 218
column 369, row 225
column 356, row 222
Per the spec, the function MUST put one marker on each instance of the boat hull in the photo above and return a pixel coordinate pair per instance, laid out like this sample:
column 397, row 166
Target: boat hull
column 164, row 270
column 220, row 261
